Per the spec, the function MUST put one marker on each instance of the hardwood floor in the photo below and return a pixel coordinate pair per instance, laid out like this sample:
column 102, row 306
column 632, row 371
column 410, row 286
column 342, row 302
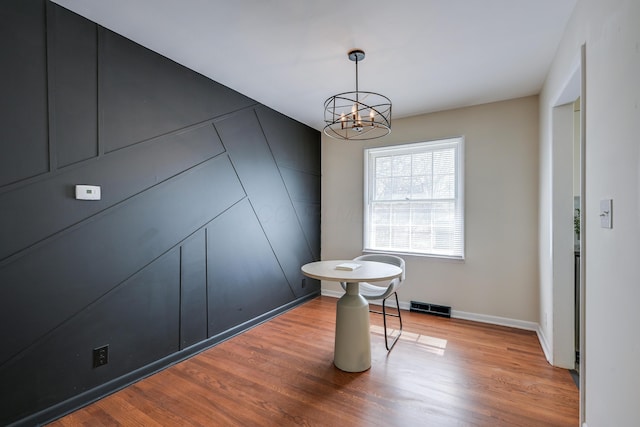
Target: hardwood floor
column 442, row 372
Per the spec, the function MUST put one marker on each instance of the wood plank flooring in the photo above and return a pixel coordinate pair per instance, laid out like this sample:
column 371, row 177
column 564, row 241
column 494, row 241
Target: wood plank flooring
column 442, row 372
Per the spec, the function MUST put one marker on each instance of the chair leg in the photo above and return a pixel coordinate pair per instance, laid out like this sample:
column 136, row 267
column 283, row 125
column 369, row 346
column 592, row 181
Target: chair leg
column 384, row 321
column 399, row 315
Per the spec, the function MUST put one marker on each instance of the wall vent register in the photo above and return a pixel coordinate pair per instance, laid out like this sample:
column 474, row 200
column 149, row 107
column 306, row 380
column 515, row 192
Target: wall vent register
column 428, row 308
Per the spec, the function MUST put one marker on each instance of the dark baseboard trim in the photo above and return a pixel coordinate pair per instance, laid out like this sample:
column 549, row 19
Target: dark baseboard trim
column 70, row 405
column 575, row 376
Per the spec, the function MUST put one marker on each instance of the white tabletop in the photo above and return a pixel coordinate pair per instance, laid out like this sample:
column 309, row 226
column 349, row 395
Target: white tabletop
column 369, row 271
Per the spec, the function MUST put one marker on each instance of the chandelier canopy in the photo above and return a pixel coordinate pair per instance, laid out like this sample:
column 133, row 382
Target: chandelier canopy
column 357, row 115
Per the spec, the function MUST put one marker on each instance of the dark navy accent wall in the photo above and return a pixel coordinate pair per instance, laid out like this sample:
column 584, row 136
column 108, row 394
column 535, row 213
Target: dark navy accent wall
column 23, row 100
column 73, row 79
column 210, row 205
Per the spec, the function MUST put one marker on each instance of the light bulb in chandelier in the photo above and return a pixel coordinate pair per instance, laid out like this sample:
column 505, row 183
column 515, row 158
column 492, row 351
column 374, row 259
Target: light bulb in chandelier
column 357, row 125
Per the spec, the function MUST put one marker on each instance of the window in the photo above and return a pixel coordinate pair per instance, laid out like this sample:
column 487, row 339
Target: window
column 414, row 198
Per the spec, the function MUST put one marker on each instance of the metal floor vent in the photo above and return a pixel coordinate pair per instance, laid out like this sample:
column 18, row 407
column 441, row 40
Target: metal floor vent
column 425, row 307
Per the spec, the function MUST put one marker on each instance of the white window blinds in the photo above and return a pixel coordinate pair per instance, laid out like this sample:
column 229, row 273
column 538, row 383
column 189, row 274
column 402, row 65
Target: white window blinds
column 414, row 198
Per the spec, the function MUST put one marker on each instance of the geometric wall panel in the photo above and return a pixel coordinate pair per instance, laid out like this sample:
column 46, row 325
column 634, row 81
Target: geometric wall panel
column 134, row 78
column 24, row 149
column 73, row 81
column 81, row 265
column 193, row 290
column 293, row 146
column 297, row 153
column 210, row 205
column 253, row 160
column 244, row 276
column 304, row 190
column 121, row 174
column 309, row 216
column 148, row 332
column 301, row 186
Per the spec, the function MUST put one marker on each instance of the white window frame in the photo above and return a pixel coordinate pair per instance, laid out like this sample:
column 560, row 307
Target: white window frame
column 458, row 239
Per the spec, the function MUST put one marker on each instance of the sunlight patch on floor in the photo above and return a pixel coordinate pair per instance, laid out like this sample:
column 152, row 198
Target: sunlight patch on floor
column 431, row 344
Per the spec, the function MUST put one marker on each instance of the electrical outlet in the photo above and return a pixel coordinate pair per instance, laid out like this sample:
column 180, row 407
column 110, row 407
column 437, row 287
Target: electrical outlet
column 100, row 356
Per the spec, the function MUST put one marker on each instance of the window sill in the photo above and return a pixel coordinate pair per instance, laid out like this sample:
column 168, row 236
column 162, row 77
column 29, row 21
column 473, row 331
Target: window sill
column 416, row 254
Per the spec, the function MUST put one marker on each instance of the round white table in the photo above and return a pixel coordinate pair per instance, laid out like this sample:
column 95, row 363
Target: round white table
column 352, row 348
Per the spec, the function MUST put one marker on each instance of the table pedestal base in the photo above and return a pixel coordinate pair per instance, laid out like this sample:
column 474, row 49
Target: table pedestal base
column 352, row 352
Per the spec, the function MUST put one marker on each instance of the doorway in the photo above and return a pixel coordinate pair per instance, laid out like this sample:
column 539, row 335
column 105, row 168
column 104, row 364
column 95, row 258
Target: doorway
column 568, row 214
column 577, row 184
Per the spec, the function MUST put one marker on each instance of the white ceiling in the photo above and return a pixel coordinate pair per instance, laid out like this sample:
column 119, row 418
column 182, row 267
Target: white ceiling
column 425, row 55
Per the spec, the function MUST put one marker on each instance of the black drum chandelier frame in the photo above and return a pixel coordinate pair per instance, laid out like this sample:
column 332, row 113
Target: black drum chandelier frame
column 357, row 115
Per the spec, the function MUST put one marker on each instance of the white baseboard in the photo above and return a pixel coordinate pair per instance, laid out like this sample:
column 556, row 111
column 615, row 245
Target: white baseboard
column 483, row 318
column 495, row 320
column 544, row 343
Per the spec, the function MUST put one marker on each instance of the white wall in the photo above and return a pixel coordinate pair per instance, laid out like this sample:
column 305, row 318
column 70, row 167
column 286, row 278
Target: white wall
column 500, row 274
column 610, row 365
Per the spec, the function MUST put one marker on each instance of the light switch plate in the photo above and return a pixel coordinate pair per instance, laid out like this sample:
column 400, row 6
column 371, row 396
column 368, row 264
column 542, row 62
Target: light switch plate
column 87, row 192
column 606, row 214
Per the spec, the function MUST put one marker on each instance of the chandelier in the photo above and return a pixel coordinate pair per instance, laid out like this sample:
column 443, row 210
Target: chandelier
column 357, row 115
